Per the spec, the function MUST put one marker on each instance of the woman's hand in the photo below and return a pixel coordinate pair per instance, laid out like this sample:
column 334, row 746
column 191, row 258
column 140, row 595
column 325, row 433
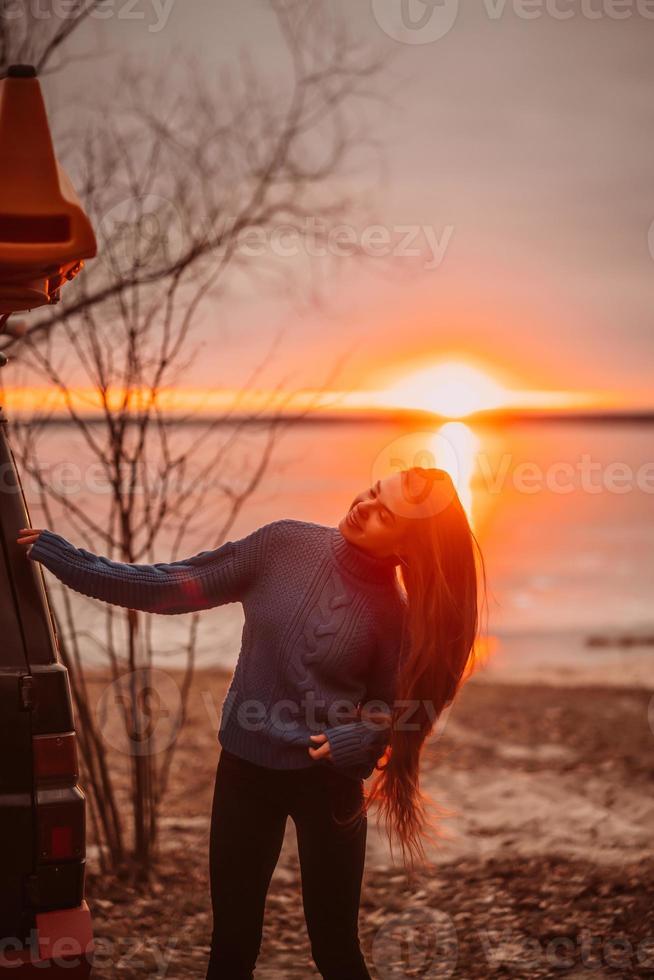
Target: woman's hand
column 324, row 751
column 27, row 536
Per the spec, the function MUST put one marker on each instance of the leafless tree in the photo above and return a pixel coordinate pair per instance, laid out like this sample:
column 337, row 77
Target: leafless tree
column 174, row 175
column 36, row 32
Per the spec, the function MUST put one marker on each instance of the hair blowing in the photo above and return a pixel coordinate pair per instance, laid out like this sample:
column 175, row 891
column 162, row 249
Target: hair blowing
column 440, row 578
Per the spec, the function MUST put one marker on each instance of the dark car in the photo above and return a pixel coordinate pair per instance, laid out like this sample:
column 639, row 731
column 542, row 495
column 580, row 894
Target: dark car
column 44, row 918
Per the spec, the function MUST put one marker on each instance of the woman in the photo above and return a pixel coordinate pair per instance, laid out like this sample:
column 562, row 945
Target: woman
column 343, row 670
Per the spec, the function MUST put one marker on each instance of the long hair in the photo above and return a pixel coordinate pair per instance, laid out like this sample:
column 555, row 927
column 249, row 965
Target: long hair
column 441, row 580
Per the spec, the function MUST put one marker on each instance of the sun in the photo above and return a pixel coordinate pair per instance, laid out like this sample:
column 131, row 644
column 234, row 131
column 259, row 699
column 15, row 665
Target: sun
column 453, row 389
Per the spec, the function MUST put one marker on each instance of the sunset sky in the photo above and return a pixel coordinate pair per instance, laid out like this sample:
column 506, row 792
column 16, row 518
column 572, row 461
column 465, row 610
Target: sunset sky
column 525, row 146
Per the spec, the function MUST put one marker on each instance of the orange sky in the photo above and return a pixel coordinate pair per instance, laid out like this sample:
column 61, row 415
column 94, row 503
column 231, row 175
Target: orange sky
column 536, row 183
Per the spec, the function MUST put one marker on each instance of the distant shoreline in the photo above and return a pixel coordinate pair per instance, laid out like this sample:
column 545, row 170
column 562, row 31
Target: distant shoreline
column 492, row 418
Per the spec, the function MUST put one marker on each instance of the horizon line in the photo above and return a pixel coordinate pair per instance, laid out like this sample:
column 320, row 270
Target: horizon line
column 375, row 416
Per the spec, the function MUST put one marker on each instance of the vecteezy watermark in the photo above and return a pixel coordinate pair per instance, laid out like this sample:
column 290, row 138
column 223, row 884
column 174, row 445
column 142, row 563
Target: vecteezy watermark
column 418, row 497
column 140, row 232
column 422, row 941
column 426, row 21
column 68, row 478
column 565, row 476
column 316, row 238
column 155, row 14
column 416, row 21
column 149, row 957
column 419, row 942
column 312, row 713
column 520, row 953
column 64, row 952
column 146, row 230
column 567, row 9
column 140, row 712
column 493, row 474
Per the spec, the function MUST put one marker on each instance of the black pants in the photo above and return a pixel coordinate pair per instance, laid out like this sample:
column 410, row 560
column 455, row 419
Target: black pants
column 250, row 807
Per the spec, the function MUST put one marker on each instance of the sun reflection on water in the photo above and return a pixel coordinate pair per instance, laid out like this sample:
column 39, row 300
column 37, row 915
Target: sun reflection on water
column 454, row 448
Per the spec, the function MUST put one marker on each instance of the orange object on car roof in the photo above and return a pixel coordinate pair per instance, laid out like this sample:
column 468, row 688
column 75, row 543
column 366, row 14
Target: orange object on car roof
column 44, row 233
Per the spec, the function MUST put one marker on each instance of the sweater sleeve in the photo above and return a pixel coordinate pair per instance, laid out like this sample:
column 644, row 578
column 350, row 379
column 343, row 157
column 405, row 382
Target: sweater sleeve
column 357, row 745
column 207, row 579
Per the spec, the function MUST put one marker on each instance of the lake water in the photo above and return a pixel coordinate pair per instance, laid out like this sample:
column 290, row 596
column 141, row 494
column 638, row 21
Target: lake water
column 562, row 510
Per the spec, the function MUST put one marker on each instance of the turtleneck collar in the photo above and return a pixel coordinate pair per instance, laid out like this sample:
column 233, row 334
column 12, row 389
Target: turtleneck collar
column 359, row 562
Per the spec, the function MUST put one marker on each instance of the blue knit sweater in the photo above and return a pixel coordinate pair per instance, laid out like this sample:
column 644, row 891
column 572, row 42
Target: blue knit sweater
column 322, row 634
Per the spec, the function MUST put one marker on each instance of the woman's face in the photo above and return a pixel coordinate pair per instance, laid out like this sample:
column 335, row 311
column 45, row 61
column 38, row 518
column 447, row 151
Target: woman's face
column 373, row 521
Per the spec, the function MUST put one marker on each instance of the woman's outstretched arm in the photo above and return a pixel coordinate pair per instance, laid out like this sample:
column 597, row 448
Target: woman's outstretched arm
column 207, row 579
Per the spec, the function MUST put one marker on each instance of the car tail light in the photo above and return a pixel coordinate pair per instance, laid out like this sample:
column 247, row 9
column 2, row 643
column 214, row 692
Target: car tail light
column 61, row 824
column 55, row 756
column 59, row 801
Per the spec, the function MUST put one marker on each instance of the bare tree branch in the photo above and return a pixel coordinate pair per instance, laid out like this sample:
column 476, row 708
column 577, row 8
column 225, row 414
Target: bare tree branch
column 174, row 177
